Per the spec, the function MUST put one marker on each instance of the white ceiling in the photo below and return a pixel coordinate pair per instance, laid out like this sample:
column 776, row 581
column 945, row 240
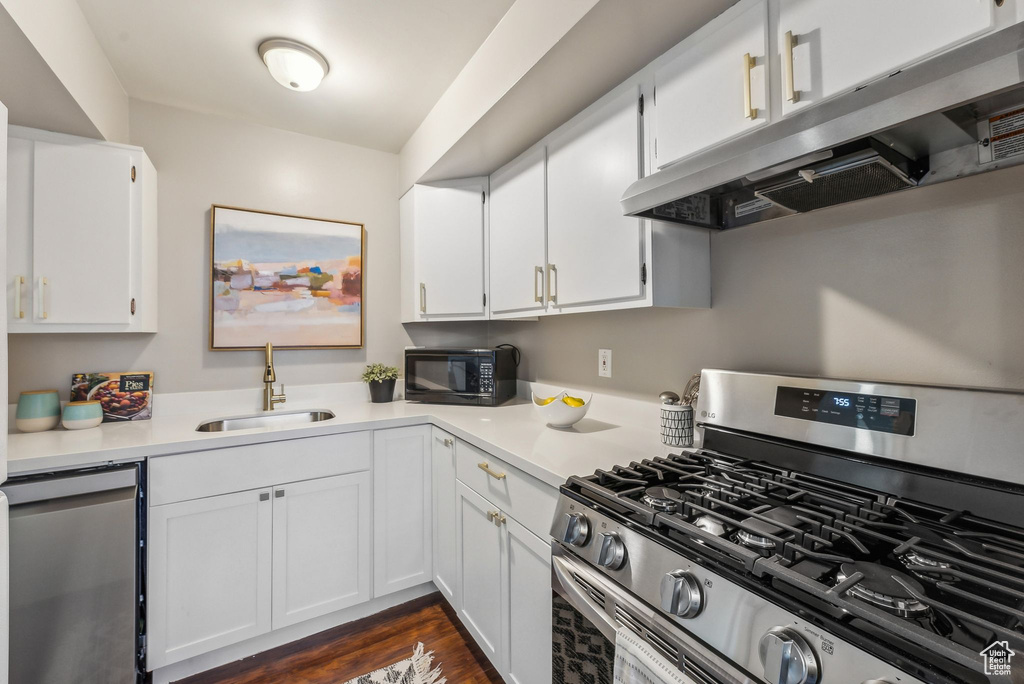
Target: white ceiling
column 390, row 60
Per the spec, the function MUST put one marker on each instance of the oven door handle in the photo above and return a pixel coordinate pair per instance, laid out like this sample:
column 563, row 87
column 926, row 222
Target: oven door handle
column 572, row 592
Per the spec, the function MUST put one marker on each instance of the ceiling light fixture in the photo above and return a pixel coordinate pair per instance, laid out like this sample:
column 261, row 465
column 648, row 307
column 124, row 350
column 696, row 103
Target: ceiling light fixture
column 292, row 64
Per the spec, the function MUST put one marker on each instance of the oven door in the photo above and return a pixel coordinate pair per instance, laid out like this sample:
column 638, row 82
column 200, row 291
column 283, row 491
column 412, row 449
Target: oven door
column 447, row 377
column 587, row 611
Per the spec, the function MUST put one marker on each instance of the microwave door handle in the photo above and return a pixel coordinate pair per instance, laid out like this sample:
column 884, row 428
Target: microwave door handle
column 580, row 600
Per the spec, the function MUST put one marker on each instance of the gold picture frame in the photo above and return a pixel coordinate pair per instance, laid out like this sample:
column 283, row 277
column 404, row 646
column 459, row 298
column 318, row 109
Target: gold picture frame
column 288, row 301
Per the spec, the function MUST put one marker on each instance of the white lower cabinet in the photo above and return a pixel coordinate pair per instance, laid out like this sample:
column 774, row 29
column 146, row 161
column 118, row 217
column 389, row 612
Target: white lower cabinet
column 209, row 574
column 401, row 508
column 321, row 547
column 526, row 590
column 505, row 571
column 481, row 555
column 446, row 564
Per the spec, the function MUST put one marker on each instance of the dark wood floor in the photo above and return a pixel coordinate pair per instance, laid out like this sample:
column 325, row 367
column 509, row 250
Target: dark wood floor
column 351, row 650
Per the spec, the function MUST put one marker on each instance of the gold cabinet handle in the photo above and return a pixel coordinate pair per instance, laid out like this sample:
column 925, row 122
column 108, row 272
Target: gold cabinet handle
column 496, row 517
column 487, row 469
column 788, row 41
column 448, row 442
column 19, row 281
column 423, row 298
column 552, row 289
column 537, row 295
column 749, row 112
column 43, row 282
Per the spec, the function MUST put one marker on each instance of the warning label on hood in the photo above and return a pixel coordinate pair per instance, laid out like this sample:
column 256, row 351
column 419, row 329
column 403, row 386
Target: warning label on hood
column 1002, row 136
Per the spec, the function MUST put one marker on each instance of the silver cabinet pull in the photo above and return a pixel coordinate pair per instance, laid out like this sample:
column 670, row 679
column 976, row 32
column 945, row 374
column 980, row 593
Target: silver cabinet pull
column 552, row 288
column 19, row 281
column 423, row 298
column 537, row 295
column 43, row 282
column 749, row 112
column 278, row 493
column 788, row 41
column 264, row 496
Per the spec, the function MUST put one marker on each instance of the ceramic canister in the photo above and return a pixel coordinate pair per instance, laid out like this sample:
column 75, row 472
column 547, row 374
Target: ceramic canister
column 79, row 415
column 38, row 410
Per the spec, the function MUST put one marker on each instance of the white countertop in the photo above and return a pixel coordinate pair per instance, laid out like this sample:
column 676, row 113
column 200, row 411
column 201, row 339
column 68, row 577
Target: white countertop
column 615, row 431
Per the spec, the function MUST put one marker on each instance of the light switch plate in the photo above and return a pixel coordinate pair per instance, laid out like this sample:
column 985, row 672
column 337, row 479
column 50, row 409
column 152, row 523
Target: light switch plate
column 604, row 363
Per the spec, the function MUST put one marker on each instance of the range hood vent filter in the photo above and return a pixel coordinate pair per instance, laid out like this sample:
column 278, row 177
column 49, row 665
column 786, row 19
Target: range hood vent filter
column 847, row 183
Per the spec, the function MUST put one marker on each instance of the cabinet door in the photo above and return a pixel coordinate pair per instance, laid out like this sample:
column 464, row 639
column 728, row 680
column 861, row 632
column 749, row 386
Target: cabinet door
column 446, row 566
column 19, row 232
column 481, row 557
column 321, row 547
column 81, row 234
column 449, row 247
column 594, row 251
column 517, row 235
column 401, row 509
column 527, row 591
column 840, row 45
column 209, row 574
column 709, row 91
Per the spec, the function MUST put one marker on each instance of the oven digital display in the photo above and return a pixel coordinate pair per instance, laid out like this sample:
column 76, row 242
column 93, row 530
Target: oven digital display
column 895, row 415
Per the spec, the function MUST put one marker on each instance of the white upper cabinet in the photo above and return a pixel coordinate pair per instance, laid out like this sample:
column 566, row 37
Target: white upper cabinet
column 518, row 236
column 839, row 45
column 81, row 235
column 444, row 232
column 714, row 85
column 595, row 254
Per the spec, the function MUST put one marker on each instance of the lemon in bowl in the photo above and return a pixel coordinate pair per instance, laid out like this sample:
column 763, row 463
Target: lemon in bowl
column 562, row 410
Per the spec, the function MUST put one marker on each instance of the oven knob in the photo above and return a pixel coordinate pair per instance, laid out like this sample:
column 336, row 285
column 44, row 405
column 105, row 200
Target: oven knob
column 611, row 551
column 787, row 658
column 576, row 529
column 680, row 594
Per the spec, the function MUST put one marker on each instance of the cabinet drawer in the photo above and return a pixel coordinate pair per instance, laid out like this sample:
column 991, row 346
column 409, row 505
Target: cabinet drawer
column 181, row 477
column 520, row 496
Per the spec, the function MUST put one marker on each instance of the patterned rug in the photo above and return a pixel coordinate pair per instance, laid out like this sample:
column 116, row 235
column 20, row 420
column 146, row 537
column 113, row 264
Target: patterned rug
column 414, row 670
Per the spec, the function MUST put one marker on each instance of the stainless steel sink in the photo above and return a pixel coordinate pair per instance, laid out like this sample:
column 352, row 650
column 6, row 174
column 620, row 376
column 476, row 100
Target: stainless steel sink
column 265, row 420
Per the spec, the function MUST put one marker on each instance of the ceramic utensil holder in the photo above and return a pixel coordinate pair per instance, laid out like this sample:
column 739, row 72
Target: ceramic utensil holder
column 677, row 425
column 79, row 415
column 38, row 411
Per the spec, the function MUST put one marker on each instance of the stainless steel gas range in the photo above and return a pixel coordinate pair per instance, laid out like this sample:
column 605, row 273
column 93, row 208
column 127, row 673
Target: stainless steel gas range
column 824, row 531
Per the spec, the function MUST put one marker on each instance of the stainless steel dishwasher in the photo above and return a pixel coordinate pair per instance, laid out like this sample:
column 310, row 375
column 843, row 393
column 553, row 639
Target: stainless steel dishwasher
column 76, row 577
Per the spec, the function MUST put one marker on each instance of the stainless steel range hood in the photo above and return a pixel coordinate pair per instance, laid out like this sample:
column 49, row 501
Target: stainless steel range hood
column 920, row 126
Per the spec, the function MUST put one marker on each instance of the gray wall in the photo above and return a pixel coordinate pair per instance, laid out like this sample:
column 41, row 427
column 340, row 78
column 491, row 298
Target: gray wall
column 925, row 286
column 203, row 160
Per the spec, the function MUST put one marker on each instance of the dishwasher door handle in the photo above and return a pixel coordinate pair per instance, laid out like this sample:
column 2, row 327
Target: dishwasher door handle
column 72, row 485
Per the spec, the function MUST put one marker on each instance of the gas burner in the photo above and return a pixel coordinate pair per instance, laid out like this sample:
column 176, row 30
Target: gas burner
column 712, row 524
column 662, row 499
column 760, row 532
column 915, row 557
column 884, row 588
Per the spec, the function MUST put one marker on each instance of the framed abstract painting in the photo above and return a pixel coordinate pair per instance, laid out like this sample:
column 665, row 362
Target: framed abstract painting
column 293, row 281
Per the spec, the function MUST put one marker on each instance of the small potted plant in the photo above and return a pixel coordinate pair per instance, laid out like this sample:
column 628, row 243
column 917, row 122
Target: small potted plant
column 381, row 380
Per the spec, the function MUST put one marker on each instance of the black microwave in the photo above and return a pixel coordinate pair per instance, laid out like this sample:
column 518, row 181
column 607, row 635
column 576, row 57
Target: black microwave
column 471, row 377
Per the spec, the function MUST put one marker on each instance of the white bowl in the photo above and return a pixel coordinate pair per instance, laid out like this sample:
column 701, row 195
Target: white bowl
column 558, row 414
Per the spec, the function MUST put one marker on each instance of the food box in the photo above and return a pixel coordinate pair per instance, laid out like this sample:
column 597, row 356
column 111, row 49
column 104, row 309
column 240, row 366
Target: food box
column 123, row 396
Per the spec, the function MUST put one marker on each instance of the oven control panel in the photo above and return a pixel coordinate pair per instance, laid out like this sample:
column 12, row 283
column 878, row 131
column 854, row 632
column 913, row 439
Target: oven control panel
column 894, row 415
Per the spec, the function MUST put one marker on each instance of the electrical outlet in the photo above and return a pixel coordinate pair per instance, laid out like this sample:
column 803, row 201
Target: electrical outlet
column 604, row 363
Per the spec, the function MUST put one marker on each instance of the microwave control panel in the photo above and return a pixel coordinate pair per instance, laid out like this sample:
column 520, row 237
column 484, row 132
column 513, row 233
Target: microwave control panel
column 486, row 377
